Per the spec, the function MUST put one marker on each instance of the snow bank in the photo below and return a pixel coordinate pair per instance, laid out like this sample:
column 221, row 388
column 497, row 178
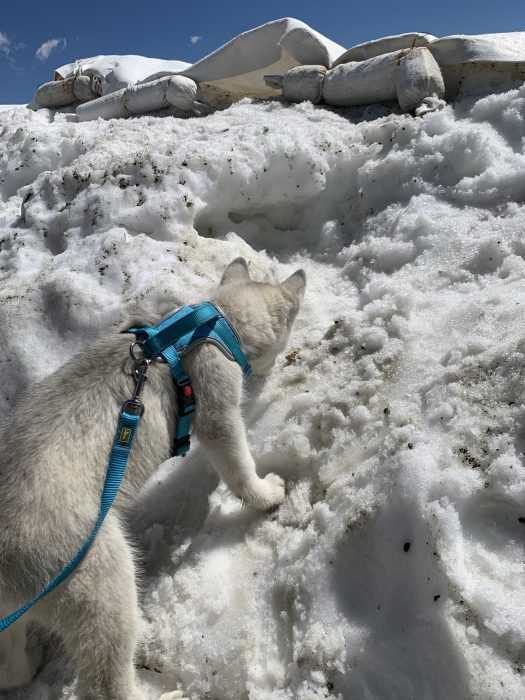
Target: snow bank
column 395, row 568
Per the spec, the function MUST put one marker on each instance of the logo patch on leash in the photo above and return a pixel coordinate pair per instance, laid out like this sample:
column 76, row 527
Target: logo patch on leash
column 125, row 436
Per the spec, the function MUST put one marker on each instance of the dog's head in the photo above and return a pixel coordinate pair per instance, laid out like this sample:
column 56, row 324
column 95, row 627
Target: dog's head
column 262, row 313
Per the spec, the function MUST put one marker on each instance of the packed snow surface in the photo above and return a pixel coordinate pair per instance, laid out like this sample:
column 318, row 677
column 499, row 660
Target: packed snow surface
column 395, row 568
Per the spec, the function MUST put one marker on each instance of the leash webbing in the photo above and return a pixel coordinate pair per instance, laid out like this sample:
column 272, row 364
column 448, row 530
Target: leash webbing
column 118, row 461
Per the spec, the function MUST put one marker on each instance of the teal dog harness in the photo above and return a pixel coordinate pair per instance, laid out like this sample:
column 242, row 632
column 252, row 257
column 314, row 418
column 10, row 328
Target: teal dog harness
column 167, row 342
column 176, row 335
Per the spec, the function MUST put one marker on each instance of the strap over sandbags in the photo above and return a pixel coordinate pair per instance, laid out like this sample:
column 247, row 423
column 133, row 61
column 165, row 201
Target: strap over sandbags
column 175, row 90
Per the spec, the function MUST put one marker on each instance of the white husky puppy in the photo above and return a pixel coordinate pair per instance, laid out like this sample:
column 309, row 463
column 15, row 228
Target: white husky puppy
column 52, row 467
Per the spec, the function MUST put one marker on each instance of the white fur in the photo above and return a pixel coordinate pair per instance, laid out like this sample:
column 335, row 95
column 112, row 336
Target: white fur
column 54, row 456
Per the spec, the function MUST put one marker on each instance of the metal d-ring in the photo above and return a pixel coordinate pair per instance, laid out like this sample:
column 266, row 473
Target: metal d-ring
column 137, row 345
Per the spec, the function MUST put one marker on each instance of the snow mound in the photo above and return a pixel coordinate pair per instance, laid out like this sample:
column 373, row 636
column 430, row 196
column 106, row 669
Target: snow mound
column 394, row 569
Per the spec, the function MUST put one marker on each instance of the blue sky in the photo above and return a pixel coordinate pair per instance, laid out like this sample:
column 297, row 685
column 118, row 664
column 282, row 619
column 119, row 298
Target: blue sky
column 164, row 28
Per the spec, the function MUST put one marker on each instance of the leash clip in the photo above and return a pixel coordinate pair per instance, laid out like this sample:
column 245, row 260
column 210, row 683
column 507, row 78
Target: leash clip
column 134, row 405
column 140, row 375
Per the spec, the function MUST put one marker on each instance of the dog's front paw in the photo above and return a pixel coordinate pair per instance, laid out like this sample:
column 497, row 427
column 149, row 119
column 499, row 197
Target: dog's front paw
column 268, row 493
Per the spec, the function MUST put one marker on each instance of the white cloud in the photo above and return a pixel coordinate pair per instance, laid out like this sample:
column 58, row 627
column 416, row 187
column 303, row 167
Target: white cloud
column 43, row 52
column 5, row 43
column 194, row 39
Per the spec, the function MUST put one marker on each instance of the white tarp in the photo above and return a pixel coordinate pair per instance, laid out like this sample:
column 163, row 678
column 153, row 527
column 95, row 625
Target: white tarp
column 457, row 48
column 239, row 66
column 386, row 44
column 117, row 72
column 462, row 48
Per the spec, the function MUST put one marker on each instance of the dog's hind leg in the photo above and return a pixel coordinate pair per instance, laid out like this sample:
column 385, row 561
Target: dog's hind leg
column 16, row 668
column 96, row 613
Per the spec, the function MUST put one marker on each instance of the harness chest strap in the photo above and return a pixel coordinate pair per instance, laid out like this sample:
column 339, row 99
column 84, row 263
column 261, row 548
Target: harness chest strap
column 169, row 340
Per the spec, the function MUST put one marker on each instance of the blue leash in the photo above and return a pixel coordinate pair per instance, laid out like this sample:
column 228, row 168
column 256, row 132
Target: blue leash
column 188, row 326
column 118, row 460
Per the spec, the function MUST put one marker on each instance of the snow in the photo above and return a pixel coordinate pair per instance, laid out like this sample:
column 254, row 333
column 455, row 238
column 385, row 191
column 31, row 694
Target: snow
column 394, row 569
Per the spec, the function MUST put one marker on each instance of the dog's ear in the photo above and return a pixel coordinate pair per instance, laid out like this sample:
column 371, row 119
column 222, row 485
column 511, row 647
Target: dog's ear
column 237, row 271
column 296, row 283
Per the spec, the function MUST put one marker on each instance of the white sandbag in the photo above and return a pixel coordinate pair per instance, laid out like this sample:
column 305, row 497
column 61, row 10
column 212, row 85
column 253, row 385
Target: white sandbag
column 418, row 77
column 110, row 106
column 304, row 83
column 386, row 44
column 57, row 93
column 176, row 90
column 364, row 82
column 61, row 93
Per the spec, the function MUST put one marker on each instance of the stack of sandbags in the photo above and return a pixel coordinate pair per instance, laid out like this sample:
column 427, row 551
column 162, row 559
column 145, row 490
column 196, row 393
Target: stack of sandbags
column 411, row 76
column 470, row 65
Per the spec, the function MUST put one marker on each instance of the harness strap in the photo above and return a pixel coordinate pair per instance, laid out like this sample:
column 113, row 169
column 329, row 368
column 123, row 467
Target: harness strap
column 118, row 461
column 188, row 327
column 185, row 401
column 175, row 327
